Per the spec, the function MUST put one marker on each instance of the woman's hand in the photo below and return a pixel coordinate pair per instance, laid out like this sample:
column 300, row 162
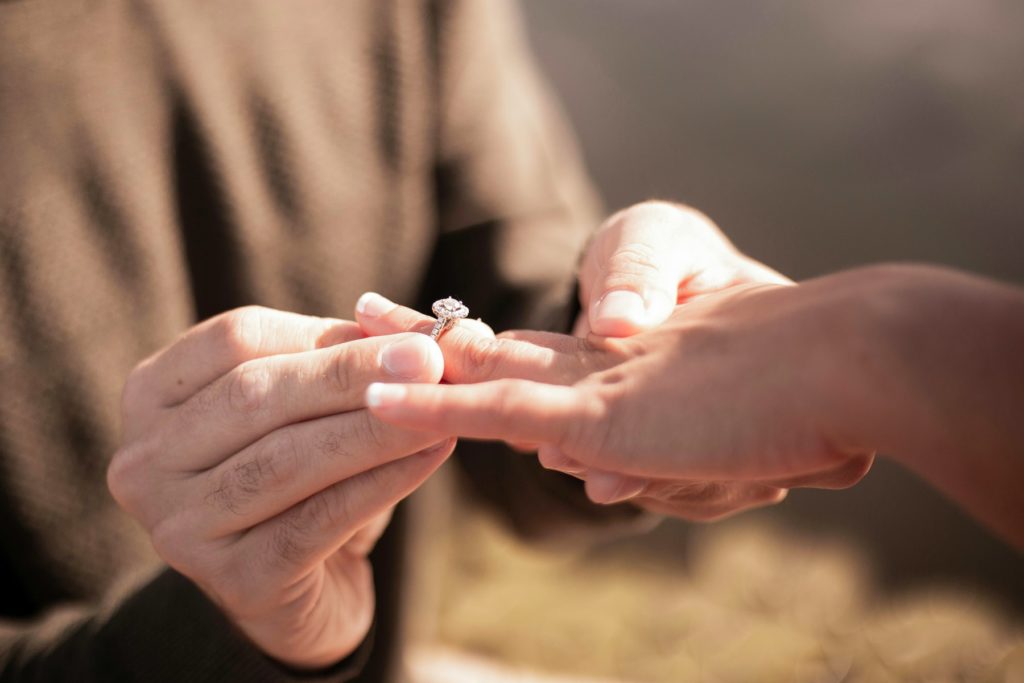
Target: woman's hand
column 719, row 409
column 652, row 256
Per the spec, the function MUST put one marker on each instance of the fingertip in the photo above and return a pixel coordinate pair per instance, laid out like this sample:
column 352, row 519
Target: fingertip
column 382, row 396
column 440, row 450
column 606, row 488
column 374, row 305
column 622, row 313
column 552, row 458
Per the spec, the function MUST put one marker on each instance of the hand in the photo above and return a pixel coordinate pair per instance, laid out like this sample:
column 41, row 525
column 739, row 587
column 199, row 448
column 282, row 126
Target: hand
column 650, row 257
column 250, row 459
column 732, row 399
column 641, row 263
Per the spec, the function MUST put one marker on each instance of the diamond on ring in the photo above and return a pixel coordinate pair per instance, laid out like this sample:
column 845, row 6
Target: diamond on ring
column 448, row 311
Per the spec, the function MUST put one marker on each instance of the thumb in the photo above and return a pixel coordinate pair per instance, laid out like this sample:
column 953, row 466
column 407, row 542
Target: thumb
column 630, row 279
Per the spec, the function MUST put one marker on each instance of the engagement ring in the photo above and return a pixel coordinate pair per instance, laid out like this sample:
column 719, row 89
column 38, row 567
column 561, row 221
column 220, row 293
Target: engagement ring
column 448, row 311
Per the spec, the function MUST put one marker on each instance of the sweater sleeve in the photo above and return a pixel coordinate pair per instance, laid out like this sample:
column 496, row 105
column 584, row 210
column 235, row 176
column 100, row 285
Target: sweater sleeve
column 164, row 631
column 516, row 210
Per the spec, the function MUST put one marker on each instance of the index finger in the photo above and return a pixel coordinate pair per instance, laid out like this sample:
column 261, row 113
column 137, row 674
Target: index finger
column 507, row 409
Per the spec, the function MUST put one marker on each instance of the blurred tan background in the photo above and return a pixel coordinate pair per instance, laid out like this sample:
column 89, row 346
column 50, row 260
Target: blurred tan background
column 819, row 136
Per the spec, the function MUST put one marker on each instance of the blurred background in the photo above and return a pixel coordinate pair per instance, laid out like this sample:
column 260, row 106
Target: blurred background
column 819, row 136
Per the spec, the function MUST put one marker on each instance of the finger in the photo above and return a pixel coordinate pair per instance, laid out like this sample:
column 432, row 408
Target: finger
column 650, row 257
column 293, row 463
column 630, row 275
column 607, row 488
column 707, row 502
column 510, row 410
column 553, row 458
column 472, row 353
column 379, row 315
column 581, row 328
column 214, row 346
column 307, row 533
column 362, row 541
column 842, row 477
column 262, row 395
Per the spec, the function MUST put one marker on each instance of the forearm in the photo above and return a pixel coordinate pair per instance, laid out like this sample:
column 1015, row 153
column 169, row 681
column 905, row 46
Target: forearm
column 941, row 366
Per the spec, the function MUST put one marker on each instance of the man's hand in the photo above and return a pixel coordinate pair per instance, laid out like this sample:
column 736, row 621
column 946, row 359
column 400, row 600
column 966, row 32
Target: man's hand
column 656, row 418
column 652, row 256
column 250, row 458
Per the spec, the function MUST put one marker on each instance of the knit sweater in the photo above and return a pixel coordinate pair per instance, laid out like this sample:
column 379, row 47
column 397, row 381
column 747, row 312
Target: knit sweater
column 165, row 160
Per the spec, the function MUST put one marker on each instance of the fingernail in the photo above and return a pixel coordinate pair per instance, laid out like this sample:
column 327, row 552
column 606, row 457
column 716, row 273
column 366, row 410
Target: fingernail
column 413, row 357
column 606, row 488
column 380, row 395
column 373, row 305
column 622, row 305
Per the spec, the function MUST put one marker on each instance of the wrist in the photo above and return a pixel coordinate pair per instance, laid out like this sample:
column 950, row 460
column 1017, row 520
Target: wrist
column 870, row 395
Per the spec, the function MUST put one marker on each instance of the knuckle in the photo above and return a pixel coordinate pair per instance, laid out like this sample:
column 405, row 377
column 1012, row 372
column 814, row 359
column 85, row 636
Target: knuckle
column 120, row 479
column 174, row 542
column 248, row 388
column 633, row 259
column 484, row 355
column 241, row 331
column 509, row 395
column 287, row 544
column 327, row 509
column 268, row 467
column 346, row 370
column 336, row 444
column 124, row 477
column 373, row 432
column 223, row 495
column 295, row 538
column 646, row 211
column 592, row 431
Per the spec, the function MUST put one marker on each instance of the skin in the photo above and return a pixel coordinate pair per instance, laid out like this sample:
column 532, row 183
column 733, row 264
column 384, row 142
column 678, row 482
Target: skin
column 560, row 380
column 658, row 255
column 251, row 460
column 761, row 387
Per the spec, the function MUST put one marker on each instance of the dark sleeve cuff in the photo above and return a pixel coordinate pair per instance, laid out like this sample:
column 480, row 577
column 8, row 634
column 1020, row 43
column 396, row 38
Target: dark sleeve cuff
column 170, row 631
